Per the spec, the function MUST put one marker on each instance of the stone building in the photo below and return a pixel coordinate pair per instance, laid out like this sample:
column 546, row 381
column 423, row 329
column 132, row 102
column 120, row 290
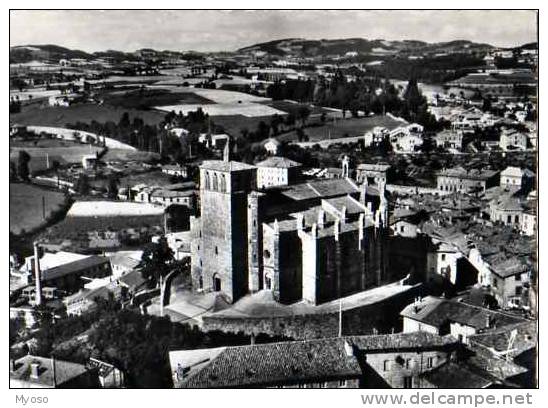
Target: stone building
column 277, row 171
column 219, row 250
column 381, row 361
column 316, row 240
column 461, row 180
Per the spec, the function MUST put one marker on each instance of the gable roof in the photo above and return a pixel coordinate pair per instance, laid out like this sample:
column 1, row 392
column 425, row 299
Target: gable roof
column 64, row 371
column 437, row 312
column 290, row 362
column 75, row 266
column 279, row 162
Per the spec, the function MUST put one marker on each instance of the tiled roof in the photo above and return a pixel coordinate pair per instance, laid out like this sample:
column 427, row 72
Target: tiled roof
column 286, row 362
column 320, row 189
column 455, row 375
column 437, row 312
column 279, row 162
column 498, row 339
column 75, row 266
column 64, row 371
column 220, row 165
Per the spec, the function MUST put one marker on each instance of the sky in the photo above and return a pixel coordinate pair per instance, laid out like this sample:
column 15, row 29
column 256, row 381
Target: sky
column 183, row 30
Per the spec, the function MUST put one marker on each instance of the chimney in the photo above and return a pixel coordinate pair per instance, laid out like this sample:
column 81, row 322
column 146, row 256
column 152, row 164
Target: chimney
column 348, row 349
column 337, row 229
column 321, row 218
column 343, row 214
column 37, row 275
column 53, row 371
column 35, row 370
column 300, row 221
column 226, row 152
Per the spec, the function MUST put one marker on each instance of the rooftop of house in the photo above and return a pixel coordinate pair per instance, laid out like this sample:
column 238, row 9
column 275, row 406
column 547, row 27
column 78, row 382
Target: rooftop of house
column 320, row 189
column 225, row 166
column 54, row 259
column 438, row 312
column 472, row 174
column 64, row 371
column 278, row 162
column 123, row 261
column 497, row 341
column 458, row 375
column 290, row 362
column 512, row 171
column 373, row 167
column 132, row 280
column 176, row 167
column 75, row 266
column 273, row 141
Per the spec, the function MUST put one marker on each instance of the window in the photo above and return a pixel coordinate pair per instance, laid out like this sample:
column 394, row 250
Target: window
column 443, row 257
column 386, row 366
column 429, row 362
column 519, row 290
column 216, row 250
column 408, row 363
column 518, row 277
column 407, row 382
column 266, row 254
column 342, row 383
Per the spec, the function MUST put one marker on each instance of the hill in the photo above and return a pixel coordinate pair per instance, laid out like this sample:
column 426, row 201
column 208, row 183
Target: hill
column 47, row 52
column 310, row 48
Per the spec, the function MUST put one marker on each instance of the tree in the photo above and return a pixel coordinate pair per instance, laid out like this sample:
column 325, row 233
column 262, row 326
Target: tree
column 303, row 114
column 82, row 185
column 112, row 188
column 156, row 261
column 23, row 165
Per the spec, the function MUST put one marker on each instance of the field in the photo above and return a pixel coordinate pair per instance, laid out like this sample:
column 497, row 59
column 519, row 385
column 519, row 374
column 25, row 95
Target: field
column 151, row 178
column 225, row 103
column 60, row 116
column 148, row 98
column 351, row 127
column 94, row 233
column 112, row 209
column 26, row 206
column 124, row 155
column 63, row 155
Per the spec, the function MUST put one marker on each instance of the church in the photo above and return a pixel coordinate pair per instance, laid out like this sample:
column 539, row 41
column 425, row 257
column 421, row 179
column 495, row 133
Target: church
column 316, row 241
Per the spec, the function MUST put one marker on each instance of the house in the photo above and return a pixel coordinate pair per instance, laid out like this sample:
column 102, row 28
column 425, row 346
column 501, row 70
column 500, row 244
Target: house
column 449, row 139
column 179, row 242
column 39, row 372
column 109, row 375
column 442, row 261
column 64, row 100
column 448, row 316
column 407, row 139
column 65, row 270
column 515, row 176
column 375, row 136
column 460, row 180
column 277, row 171
column 272, row 146
column 513, row 140
column 372, row 173
column 86, row 299
column 513, row 344
column 379, row 361
column 123, row 262
column 175, row 170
